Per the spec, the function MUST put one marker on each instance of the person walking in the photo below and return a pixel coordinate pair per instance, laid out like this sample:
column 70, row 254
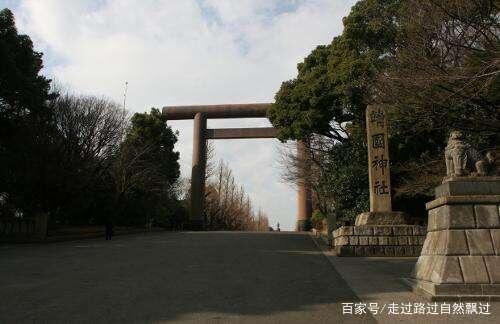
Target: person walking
column 109, row 230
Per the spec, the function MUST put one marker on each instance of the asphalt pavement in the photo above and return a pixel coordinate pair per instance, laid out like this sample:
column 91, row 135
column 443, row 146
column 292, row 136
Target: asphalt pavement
column 174, row 277
column 205, row 277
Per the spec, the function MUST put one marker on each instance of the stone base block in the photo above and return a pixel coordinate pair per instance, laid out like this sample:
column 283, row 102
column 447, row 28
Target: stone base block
column 379, row 240
column 467, row 186
column 382, row 218
column 440, row 292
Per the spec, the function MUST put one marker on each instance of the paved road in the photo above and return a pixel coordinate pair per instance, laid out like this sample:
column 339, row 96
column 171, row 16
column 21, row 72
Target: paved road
column 180, row 277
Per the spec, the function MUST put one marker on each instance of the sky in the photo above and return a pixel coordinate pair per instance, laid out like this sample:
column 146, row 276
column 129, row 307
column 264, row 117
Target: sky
column 184, row 52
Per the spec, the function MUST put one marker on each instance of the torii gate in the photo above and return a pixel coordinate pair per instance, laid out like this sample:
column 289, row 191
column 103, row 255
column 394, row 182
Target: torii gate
column 201, row 134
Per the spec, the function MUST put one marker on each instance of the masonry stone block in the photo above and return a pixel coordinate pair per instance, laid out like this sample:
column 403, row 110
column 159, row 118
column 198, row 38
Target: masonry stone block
column 354, row 240
column 434, row 272
column 490, row 289
column 441, row 239
column 457, row 217
column 399, row 250
column 433, row 260
column 487, row 216
column 446, row 269
column 402, row 240
column 382, row 230
column 432, row 224
column 493, row 267
column 412, row 240
column 423, row 267
column 449, row 242
column 466, row 188
column 456, row 243
column 381, row 218
column 379, row 250
column 427, row 242
column 363, row 240
column 474, row 269
column 444, row 216
column 342, row 240
column 409, row 251
column 373, row 240
column 345, row 230
column 363, row 230
column 389, row 250
column 361, row 250
column 446, row 242
column 370, row 250
column 402, row 230
column 458, row 289
column 434, row 242
column 344, row 250
column 419, row 230
column 495, row 187
column 479, row 241
column 495, row 237
column 392, row 240
column 383, row 240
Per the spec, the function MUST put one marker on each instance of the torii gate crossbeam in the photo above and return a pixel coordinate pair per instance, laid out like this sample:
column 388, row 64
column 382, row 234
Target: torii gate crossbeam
column 200, row 114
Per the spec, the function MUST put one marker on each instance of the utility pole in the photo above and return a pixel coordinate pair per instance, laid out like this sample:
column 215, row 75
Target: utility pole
column 125, row 95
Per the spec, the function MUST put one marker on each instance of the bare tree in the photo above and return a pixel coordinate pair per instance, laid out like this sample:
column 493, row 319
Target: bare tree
column 311, row 167
column 227, row 206
column 445, row 71
column 88, row 137
column 92, row 129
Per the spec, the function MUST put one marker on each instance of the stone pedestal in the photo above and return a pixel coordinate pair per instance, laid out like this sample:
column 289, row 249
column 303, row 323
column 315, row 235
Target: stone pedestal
column 381, row 231
column 378, row 240
column 461, row 254
column 382, row 218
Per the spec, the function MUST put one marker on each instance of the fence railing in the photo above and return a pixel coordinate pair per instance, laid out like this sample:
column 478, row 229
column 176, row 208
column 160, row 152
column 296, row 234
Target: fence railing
column 23, row 227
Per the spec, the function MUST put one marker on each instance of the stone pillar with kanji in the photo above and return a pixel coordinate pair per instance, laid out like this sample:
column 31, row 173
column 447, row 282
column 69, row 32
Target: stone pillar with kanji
column 380, row 231
column 378, row 160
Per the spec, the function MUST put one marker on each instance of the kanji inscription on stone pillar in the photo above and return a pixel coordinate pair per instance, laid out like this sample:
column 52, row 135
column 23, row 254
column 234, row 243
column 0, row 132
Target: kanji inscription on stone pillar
column 378, row 159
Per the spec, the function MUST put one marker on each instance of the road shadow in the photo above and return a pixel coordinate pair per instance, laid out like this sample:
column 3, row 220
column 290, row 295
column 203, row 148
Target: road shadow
column 174, row 276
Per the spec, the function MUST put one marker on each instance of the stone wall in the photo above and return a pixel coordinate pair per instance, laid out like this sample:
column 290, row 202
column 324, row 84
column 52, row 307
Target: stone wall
column 379, row 240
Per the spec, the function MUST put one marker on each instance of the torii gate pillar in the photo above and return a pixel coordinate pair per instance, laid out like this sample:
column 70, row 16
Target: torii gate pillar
column 304, row 196
column 197, row 193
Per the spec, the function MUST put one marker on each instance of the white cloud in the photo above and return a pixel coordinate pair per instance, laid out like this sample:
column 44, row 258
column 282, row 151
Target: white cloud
column 188, row 52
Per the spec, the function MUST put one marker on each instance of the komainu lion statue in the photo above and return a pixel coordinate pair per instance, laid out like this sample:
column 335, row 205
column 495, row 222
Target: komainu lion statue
column 462, row 160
